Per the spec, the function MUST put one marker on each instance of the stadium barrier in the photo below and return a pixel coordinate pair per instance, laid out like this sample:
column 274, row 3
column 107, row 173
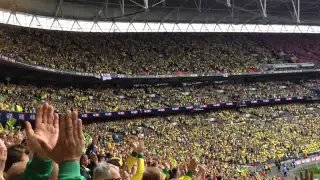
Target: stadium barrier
column 5, row 115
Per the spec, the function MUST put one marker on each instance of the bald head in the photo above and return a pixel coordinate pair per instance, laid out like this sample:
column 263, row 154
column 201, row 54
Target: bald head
column 106, row 171
column 152, row 173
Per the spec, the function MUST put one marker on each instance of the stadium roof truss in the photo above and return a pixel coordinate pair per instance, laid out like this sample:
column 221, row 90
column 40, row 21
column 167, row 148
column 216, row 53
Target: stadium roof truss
column 273, row 16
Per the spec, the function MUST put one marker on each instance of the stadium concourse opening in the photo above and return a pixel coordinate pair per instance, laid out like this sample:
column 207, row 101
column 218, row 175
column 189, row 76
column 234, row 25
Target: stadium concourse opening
column 159, row 90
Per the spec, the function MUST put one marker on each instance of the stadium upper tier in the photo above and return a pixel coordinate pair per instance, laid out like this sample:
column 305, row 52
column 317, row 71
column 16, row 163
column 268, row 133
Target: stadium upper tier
column 160, row 53
column 304, row 47
column 23, row 98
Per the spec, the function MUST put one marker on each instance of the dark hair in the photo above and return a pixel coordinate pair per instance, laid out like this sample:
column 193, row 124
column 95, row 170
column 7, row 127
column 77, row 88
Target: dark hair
column 173, row 173
column 82, row 158
column 15, row 154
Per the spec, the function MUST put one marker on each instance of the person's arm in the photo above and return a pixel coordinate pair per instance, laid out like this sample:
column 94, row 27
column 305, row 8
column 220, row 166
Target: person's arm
column 37, row 169
column 140, row 170
column 191, row 168
column 131, row 160
column 46, row 132
column 70, row 171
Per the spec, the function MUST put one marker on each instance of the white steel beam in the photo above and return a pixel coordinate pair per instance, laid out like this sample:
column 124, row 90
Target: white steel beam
column 146, row 4
column 199, row 7
column 121, row 3
column 298, row 17
column 58, row 8
column 228, row 3
column 168, row 14
column 162, row 1
column 138, row 3
column 106, row 10
column 296, row 9
column 263, row 4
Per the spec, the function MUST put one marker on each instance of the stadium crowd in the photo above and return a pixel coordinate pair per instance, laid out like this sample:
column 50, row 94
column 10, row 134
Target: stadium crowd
column 23, row 98
column 134, row 53
column 214, row 145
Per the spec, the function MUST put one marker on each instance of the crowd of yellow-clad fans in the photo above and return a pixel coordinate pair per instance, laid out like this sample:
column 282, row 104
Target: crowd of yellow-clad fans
column 24, row 98
column 135, row 53
column 211, row 145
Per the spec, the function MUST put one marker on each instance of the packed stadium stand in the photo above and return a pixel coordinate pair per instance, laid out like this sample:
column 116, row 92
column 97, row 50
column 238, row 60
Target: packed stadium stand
column 135, row 53
column 112, row 99
column 200, row 103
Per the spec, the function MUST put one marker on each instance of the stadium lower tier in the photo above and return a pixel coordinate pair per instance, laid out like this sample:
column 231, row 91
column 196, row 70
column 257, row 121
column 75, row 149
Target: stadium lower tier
column 24, row 98
column 220, row 140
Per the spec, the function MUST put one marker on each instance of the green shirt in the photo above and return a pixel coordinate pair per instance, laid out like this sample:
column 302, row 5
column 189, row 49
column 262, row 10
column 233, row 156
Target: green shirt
column 38, row 169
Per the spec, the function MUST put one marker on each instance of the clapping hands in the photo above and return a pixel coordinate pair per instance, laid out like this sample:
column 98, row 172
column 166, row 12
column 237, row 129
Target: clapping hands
column 43, row 138
column 60, row 143
column 70, row 141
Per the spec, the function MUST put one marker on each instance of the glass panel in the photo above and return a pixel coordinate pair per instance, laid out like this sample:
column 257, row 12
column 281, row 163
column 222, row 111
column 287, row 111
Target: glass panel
column 66, row 24
column 152, row 27
column 105, row 26
column 122, row 26
column 24, row 19
column 161, row 28
column 131, row 28
column 4, row 15
column 95, row 28
column 138, row 27
column 40, row 22
column 244, row 28
column 45, row 22
column 35, row 23
column 183, row 27
column 197, row 27
column 56, row 25
column 176, row 28
column 86, row 26
column 76, row 27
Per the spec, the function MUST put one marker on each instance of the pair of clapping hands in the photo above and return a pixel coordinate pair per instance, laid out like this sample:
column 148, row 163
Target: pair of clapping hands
column 50, row 139
column 61, row 142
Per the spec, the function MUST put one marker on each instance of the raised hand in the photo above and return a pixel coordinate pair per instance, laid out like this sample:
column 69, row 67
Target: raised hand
column 124, row 175
column 70, row 141
column 3, row 158
column 202, row 169
column 307, row 175
column 167, row 165
column 140, row 148
column 44, row 137
column 192, row 166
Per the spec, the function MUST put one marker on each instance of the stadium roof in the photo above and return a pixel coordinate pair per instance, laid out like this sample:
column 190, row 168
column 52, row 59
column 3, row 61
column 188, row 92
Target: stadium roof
column 284, row 16
column 186, row 11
